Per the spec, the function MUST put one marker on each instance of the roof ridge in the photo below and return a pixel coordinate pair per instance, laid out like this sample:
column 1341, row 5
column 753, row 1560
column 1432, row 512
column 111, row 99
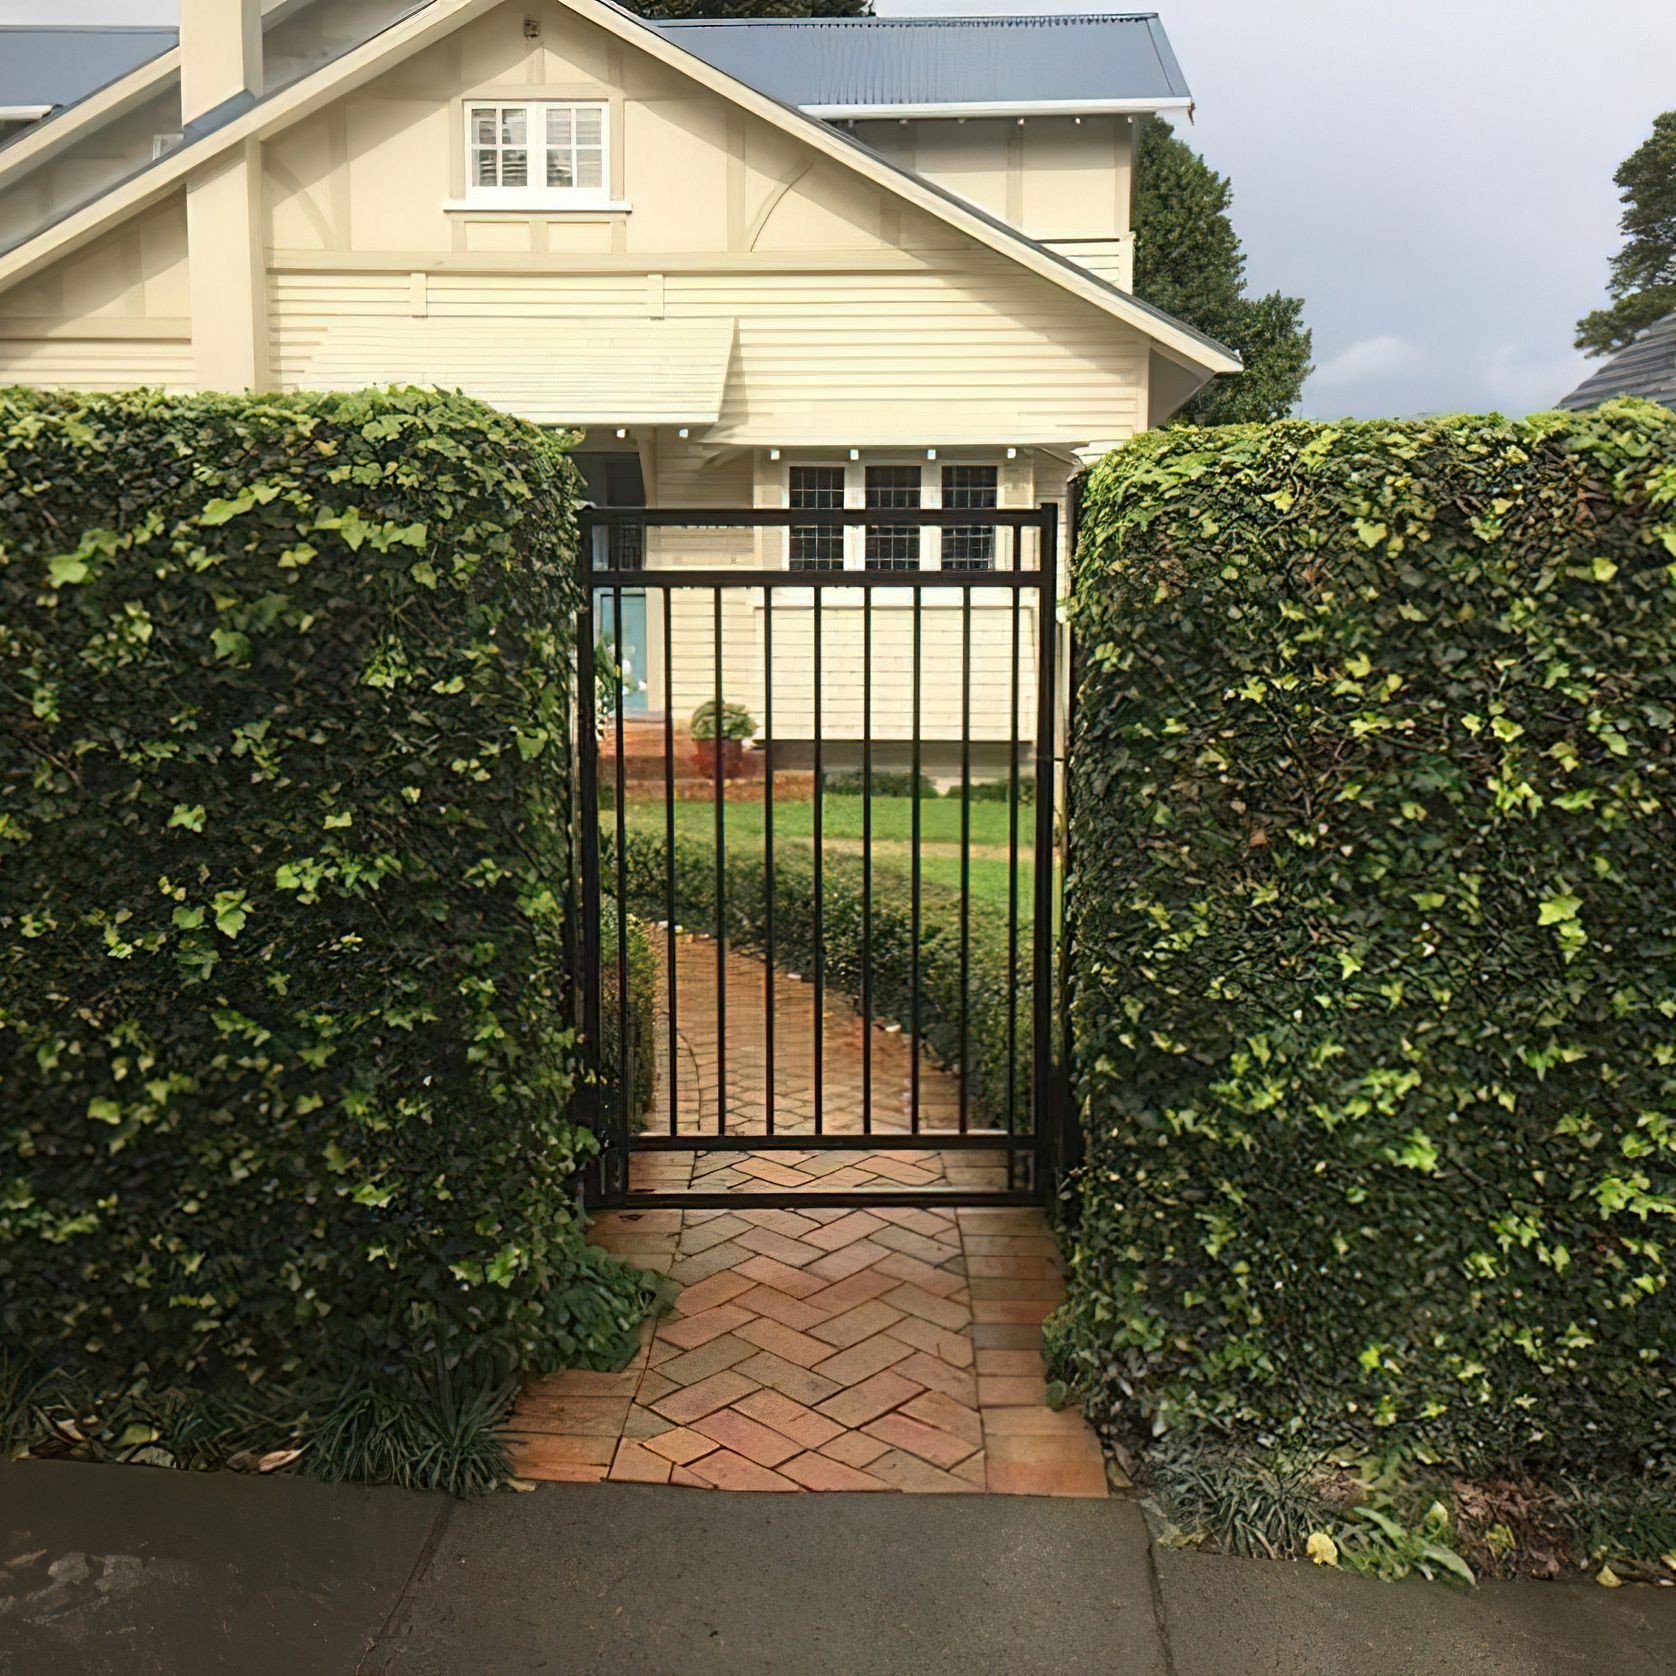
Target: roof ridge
column 1033, row 20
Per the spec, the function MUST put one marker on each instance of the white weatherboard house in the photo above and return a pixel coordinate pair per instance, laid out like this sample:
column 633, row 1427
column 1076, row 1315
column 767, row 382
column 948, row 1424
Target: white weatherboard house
column 873, row 262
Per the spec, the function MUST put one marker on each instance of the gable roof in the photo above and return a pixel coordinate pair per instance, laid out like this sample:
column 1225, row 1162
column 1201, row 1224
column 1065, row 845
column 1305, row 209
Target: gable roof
column 244, row 119
column 853, row 67
column 1645, row 367
column 44, row 68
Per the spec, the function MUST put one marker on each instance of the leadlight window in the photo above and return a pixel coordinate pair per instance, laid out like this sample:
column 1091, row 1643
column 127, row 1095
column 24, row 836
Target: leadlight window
column 892, row 546
column 817, row 546
column 969, row 488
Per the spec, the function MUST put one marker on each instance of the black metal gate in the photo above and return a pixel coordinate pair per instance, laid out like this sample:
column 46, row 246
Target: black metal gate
column 776, row 961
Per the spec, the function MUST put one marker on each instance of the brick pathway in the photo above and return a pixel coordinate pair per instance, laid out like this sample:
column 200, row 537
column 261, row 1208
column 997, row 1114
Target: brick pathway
column 818, row 1349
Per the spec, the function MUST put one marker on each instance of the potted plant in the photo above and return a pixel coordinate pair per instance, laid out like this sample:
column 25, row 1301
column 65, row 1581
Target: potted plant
column 720, row 733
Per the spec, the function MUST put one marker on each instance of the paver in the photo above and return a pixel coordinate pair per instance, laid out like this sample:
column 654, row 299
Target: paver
column 827, row 1349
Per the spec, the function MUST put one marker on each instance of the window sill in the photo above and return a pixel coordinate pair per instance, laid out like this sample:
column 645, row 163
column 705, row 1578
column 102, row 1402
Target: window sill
column 460, row 206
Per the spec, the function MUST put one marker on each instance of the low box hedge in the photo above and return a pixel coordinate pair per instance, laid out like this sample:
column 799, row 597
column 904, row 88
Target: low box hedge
column 285, row 1016
column 994, row 996
column 1373, row 916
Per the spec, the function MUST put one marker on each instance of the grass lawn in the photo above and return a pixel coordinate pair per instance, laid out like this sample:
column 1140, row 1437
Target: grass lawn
column 794, row 825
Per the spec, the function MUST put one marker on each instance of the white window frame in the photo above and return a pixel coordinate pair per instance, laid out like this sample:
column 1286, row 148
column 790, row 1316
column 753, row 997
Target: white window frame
column 536, row 194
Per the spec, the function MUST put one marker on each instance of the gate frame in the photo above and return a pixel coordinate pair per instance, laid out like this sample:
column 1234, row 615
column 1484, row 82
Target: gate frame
column 605, row 1183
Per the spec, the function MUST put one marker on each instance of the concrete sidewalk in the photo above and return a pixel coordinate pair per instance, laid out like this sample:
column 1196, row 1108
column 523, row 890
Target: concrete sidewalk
column 112, row 1571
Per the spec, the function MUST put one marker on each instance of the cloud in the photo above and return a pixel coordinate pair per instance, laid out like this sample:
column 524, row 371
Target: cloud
column 1518, row 379
column 1383, row 356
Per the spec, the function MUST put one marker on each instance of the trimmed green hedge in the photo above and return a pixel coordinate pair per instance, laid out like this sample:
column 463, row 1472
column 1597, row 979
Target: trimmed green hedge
column 991, row 987
column 284, row 868
column 1373, row 801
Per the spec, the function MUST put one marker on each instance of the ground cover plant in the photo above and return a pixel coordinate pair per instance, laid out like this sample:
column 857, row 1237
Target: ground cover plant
column 285, row 1039
column 1374, row 1001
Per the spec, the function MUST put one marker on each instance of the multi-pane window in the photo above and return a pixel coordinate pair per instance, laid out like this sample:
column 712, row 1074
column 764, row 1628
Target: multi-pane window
column 969, row 546
column 892, row 546
column 817, row 546
column 576, row 147
column 537, row 153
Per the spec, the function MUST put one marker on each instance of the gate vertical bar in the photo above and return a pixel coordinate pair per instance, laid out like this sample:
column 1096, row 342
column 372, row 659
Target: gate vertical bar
column 768, row 848
column 965, row 859
column 719, row 788
column 914, row 890
column 671, row 976
column 867, row 862
column 1012, row 878
column 587, row 743
column 820, row 887
column 1041, row 941
column 625, row 1048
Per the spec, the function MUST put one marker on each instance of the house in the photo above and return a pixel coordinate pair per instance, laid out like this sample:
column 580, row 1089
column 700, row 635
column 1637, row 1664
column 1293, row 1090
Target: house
column 1645, row 367
column 870, row 262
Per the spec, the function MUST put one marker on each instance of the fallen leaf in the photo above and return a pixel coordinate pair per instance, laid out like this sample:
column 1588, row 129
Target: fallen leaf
column 276, row 1458
column 1322, row 1549
column 1608, row 1578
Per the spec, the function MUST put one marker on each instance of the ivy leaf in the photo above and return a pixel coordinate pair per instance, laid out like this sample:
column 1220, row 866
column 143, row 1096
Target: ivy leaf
column 188, row 815
column 104, row 1111
column 66, row 570
column 1555, row 910
column 231, row 646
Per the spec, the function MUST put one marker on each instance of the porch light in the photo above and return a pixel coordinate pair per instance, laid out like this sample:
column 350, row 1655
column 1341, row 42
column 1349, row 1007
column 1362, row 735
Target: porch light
column 855, row 453
column 622, row 431
column 931, row 453
column 1012, row 453
column 683, row 432
column 773, row 453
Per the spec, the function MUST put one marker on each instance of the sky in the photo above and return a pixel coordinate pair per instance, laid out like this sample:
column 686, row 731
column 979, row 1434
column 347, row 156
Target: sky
column 1433, row 177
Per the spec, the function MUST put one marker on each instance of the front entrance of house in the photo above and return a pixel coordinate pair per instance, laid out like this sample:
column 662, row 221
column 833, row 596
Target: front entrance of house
column 820, row 893
column 817, row 949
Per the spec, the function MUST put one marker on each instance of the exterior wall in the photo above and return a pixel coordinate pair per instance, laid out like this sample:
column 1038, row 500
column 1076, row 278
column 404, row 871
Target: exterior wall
column 692, row 477
column 862, row 323
column 1062, row 180
column 860, row 320
column 114, row 316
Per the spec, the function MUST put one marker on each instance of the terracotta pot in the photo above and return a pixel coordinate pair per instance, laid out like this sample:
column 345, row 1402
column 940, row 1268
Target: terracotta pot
column 733, row 756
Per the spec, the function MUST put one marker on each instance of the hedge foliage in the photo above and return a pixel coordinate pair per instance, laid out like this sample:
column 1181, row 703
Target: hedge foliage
column 991, row 988
column 642, row 1015
column 284, row 866
column 1373, row 801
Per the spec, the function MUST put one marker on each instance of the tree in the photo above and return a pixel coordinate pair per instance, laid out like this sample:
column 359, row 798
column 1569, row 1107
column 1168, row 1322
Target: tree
column 1188, row 262
column 749, row 8
column 1643, row 281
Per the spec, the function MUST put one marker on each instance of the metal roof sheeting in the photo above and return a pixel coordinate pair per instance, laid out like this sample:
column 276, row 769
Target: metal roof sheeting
column 1645, row 367
column 895, row 63
column 555, row 372
column 57, row 66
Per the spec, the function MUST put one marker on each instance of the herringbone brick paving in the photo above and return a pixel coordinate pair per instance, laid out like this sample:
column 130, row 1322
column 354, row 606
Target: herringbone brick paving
column 820, row 1348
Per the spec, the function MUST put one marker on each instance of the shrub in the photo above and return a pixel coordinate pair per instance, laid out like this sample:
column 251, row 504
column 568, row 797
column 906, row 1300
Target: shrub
column 731, row 721
column 1372, row 910
column 285, row 1042
column 991, row 988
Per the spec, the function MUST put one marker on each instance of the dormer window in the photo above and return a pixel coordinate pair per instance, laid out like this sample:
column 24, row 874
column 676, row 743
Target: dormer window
column 538, row 154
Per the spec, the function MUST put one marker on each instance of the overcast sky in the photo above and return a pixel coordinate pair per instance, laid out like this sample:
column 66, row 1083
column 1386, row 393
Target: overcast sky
column 1433, row 177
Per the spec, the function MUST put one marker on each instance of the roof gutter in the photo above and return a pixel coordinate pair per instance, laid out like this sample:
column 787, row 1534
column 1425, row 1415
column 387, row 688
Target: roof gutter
column 23, row 113
column 1001, row 107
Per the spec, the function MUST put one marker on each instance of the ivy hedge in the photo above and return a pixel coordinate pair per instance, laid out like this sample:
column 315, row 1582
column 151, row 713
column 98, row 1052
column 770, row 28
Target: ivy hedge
column 285, row 807
column 991, row 987
column 1373, row 908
